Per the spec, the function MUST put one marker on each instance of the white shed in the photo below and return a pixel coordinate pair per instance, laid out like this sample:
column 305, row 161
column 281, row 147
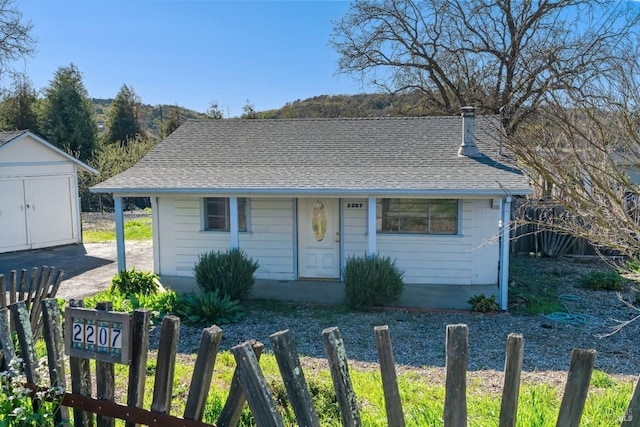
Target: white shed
column 40, row 205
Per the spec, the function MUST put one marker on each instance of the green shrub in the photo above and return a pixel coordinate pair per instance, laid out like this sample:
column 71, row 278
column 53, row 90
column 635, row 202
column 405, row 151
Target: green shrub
column 603, row 280
column 482, row 304
column 229, row 272
column 371, row 281
column 136, row 282
column 160, row 304
column 208, row 308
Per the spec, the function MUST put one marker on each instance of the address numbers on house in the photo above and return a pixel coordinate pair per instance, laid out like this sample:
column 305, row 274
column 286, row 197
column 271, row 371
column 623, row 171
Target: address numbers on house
column 99, row 335
column 355, row 205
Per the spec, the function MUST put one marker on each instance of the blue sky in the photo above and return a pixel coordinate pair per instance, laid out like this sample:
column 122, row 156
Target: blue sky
column 191, row 53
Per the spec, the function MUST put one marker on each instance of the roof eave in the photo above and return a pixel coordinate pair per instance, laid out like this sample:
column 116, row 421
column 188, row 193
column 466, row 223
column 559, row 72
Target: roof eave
column 501, row 192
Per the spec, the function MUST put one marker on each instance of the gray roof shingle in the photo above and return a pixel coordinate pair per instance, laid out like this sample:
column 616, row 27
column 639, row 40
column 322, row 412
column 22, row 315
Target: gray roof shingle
column 9, row 136
column 342, row 156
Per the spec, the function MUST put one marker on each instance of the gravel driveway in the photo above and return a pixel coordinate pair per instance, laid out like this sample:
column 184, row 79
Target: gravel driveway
column 88, row 268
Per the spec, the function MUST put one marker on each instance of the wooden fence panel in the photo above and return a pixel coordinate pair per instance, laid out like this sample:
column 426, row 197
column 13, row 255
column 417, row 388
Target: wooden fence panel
column 6, row 343
column 139, row 356
column 512, row 374
column 293, row 376
column 256, row 389
column 455, row 400
column 202, row 373
column 629, row 420
column 165, row 365
column 80, row 381
column 232, row 409
column 54, row 341
column 393, row 403
column 339, row 367
column 105, row 379
column 577, row 387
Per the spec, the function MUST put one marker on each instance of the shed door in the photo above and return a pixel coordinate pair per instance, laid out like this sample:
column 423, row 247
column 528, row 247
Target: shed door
column 13, row 216
column 50, row 213
column 36, row 213
column 319, row 238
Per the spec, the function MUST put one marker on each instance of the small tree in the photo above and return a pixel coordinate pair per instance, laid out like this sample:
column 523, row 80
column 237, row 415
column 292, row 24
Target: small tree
column 18, row 109
column 110, row 160
column 123, row 118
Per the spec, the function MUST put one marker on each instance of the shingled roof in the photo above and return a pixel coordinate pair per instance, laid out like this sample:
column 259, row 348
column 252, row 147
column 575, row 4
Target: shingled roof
column 417, row 155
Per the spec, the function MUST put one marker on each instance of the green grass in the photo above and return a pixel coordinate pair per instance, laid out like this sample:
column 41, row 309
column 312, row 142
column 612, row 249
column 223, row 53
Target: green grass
column 135, row 229
column 532, row 287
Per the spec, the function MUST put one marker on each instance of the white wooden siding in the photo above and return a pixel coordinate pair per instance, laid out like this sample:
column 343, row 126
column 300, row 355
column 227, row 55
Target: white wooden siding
column 471, row 257
column 269, row 241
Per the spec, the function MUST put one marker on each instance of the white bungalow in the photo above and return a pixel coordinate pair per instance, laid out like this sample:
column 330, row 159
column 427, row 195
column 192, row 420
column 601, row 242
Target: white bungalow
column 303, row 195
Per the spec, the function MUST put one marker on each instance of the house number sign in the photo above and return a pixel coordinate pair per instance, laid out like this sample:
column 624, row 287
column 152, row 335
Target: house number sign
column 355, row 205
column 99, row 335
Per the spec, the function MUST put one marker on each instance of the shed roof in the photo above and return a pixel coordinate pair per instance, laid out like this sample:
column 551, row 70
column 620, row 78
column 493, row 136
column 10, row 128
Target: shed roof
column 14, row 137
column 417, row 155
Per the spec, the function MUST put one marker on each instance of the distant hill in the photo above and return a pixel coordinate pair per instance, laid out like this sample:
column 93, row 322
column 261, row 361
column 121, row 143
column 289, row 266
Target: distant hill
column 362, row 105
column 322, row 106
column 152, row 115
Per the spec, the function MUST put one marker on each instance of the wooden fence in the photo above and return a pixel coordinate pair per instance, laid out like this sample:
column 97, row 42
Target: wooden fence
column 530, row 234
column 249, row 384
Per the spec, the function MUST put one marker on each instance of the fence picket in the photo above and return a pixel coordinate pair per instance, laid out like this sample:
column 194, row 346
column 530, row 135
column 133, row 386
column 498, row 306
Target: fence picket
column 80, row 377
column 55, row 352
column 23, row 281
column 576, row 388
column 293, row 376
column 202, row 373
column 139, row 355
column 37, row 294
column 12, row 286
column 629, row 420
column 256, row 389
column 32, row 283
column 512, row 374
column 6, row 343
column 20, row 318
column 339, row 367
column 105, row 379
column 455, row 399
column 393, row 403
column 3, row 294
column 165, row 365
column 232, row 409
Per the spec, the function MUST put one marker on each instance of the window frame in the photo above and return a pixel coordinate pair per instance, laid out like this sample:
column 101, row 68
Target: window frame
column 426, row 215
column 243, row 204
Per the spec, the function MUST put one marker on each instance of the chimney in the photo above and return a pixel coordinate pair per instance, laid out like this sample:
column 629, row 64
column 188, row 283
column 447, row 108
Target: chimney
column 468, row 147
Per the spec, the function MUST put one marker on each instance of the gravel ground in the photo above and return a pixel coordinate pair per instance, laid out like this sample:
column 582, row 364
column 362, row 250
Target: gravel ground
column 419, row 337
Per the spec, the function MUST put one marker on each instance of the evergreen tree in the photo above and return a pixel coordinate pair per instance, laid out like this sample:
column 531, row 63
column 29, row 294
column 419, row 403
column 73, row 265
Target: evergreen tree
column 18, row 106
column 174, row 122
column 67, row 118
column 123, row 118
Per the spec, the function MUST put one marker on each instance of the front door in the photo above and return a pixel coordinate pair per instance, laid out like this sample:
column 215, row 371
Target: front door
column 318, row 238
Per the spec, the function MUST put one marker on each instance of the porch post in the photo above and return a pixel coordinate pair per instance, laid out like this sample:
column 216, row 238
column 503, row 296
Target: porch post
column 119, row 216
column 505, row 236
column 371, row 225
column 233, row 226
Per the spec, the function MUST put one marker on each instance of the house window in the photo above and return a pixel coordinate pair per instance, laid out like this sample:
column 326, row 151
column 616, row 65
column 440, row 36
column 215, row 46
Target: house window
column 216, row 214
column 424, row 216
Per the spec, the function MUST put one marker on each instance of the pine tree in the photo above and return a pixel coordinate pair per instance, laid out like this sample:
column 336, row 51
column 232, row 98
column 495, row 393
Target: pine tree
column 67, row 118
column 18, row 107
column 123, row 119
